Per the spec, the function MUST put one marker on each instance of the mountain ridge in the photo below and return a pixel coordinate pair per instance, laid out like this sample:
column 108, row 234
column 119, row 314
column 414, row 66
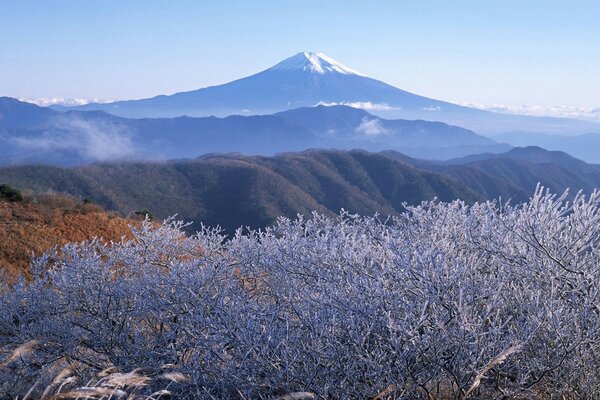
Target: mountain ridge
column 236, row 190
column 233, row 190
column 300, row 83
column 581, row 146
column 76, row 137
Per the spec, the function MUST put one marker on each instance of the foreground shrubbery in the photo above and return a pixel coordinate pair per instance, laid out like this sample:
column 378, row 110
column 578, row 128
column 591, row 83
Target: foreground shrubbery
column 9, row 193
column 447, row 301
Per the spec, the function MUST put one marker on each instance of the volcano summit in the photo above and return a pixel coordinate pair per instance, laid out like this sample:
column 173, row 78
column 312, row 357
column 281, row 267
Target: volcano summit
column 308, row 79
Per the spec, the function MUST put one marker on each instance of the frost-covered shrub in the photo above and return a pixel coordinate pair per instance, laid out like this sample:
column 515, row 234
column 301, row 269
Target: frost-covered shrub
column 446, row 301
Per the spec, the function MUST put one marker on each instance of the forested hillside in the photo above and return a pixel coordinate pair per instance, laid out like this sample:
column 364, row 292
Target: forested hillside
column 515, row 173
column 234, row 190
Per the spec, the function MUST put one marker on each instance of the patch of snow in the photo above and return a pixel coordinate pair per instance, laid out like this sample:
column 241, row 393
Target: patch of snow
column 313, row 62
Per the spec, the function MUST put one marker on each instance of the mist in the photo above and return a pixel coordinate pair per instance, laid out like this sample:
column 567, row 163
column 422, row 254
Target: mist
column 98, row 140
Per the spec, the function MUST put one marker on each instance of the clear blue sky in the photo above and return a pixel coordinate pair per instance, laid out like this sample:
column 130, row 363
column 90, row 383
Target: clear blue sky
column 507, row 52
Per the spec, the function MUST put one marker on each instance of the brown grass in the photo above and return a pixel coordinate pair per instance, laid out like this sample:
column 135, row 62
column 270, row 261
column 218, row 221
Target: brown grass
column 42, row 222
column 47, row 377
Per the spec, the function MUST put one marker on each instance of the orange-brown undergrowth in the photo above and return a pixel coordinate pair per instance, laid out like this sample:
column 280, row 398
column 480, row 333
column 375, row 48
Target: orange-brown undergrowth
column 31, row 228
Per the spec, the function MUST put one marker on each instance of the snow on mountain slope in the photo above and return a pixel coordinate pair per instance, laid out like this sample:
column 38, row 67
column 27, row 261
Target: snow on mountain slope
column 314, row 62
column 308, row 79
column 303, row 80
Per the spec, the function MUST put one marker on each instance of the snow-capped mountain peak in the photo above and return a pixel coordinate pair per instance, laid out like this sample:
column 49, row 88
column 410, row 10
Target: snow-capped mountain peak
column 314, row 62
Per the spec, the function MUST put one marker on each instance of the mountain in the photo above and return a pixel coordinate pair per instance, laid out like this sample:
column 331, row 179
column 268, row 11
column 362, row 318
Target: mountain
column 345, row 127
column 236, row 190
column 19, row 114
column 532, row 154
column 581, row 146
column 308, row 79
column 515, row 173
column 31, row 134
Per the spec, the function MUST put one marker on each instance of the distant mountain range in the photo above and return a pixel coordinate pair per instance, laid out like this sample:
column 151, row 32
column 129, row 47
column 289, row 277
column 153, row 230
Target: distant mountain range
column 585, row 147
column 514, row 174
column 309, row 79
column 236, row 190
column 32, row 134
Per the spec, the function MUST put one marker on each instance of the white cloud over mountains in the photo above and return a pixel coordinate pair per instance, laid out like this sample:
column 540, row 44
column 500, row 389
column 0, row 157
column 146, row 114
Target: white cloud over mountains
column 371, row 127
column 93, row 141
column 587, row 113
column 365, row 105
column 51, row 101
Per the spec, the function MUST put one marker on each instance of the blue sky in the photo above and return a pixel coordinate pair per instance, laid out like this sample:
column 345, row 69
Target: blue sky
column 491, row 52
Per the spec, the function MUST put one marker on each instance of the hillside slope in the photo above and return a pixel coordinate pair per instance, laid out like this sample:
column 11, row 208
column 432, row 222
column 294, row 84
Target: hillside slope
column 515, row 173
column 584, row 147
column 28, row 229
column 235, row 190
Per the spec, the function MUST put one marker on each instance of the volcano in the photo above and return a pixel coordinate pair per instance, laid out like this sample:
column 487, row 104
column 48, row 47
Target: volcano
column 308, row 79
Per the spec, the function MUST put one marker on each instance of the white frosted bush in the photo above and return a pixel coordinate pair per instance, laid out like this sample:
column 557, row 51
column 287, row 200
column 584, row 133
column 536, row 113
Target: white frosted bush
column 446, row 301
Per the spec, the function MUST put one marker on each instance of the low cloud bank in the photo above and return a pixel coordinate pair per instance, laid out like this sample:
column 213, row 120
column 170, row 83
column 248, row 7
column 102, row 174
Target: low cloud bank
column 93, row 141
column 371, row 127
column 365, row 105
column 587, row 113
column 61, row 101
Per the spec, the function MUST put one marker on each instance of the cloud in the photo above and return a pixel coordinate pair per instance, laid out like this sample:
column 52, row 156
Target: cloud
column 371, row 127
column 432, row 108
column 51, row 101
column 91, row 140
column 364, row 105
column 587, row 113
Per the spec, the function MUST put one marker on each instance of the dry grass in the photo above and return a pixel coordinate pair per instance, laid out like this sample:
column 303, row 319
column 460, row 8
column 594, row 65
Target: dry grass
column 65, row 378
column 44, row 221
column 112, row 385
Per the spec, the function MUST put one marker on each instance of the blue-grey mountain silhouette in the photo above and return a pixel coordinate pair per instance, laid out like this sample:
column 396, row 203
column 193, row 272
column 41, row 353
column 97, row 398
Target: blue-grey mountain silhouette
column 308, row 79
column 29, row 133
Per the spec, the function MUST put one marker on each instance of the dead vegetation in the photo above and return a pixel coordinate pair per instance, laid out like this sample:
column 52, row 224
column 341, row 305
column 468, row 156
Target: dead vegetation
column 66, row 377
column 43, row 221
